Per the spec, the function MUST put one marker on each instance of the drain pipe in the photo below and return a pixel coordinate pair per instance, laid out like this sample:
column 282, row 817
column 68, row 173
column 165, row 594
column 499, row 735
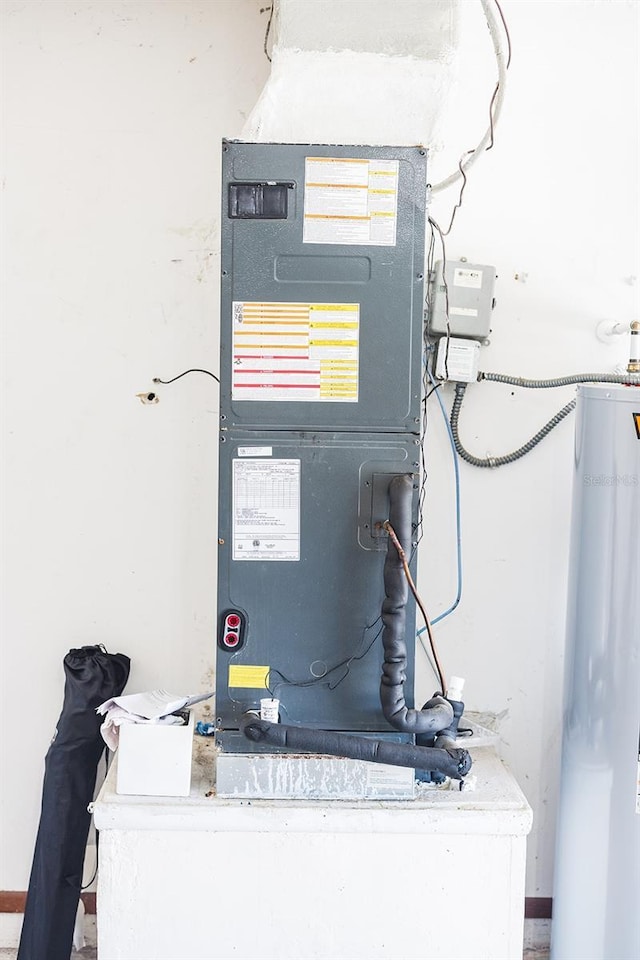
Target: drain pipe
column 447, row 760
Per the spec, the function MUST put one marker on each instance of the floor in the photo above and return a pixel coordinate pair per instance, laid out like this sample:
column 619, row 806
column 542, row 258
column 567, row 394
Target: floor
column 89, row 953
column 536, row 938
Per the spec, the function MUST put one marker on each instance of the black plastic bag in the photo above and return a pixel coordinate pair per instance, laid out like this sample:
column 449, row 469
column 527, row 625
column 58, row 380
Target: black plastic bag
column 92, row 676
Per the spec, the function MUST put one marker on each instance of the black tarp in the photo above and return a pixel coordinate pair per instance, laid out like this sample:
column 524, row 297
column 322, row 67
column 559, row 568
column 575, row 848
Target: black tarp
column 91, row 676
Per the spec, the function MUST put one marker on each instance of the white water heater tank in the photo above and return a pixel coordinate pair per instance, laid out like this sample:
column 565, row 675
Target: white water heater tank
column 596, row 903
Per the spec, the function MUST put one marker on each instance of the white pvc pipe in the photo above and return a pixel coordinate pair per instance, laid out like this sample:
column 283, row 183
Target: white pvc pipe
column 496, row 30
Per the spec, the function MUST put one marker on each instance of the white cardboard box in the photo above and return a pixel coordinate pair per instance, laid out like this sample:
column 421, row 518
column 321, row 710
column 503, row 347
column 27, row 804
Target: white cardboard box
column 155, row 760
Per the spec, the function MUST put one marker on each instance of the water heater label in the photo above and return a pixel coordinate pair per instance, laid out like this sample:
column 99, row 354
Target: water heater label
column 296, row 351
column 350, row 201
column 266, row 509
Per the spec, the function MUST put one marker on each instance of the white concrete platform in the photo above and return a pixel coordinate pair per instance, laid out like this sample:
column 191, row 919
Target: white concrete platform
column 205, row 878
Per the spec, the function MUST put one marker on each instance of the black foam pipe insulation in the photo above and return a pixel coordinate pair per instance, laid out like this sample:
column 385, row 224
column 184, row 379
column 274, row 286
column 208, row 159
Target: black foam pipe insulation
column 451, row 762
column 443, row 759
column 437, row 714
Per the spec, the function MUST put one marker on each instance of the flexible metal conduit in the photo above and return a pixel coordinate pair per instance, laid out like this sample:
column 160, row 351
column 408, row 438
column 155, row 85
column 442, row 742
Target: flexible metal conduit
column 627, row 378
column 437, row 715
column 633, row 379
column 451, row 762
column 509, row 457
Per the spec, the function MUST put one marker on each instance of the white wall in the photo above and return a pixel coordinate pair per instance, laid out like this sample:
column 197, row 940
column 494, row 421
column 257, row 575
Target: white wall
column 113, row 116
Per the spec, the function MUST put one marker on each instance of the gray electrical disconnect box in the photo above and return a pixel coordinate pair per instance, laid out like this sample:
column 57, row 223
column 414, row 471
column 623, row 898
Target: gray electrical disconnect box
column 321, row 343
column 466, row 291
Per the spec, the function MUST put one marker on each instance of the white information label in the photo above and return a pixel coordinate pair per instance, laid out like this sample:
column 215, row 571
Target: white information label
column 255, row 451
column 266, row 509
column 462, row 312
column 296, row 351
column 350, row 201
column 467, row 278
column 381, row 777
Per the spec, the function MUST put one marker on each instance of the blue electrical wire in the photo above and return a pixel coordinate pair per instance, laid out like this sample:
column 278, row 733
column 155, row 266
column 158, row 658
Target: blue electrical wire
column 456, row 470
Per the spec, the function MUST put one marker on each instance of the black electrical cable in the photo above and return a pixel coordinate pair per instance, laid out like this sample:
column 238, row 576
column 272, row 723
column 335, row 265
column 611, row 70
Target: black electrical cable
column 509, row 457
column 506, row 31
column 433, row 224
column 268, row 30
column 495, row 105
column 433, row 389
column 469, row 153
column 315, row 681
column 184, row 373
column 95, row 872
column 419, row 529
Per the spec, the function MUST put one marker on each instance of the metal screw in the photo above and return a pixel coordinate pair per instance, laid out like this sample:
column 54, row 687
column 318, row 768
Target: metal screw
column 221, row 541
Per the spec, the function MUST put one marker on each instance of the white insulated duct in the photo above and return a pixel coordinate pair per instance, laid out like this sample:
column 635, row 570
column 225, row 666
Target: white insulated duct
column 357, row 71
column 371, row 71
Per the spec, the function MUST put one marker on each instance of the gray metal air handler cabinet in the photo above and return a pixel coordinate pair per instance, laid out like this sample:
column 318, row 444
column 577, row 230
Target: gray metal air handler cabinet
column 321, row 343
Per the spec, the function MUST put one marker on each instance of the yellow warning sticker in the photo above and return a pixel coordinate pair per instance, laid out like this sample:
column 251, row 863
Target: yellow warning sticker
column 636, row 420
column 289, row 351
column 243, row 675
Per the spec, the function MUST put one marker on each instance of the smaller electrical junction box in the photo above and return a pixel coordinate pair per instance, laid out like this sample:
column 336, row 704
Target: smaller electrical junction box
column 467, row 290
column 457, row 359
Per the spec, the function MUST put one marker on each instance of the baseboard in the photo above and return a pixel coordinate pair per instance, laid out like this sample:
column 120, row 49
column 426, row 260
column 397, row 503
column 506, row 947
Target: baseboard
column 13, row 901
column 538, row 908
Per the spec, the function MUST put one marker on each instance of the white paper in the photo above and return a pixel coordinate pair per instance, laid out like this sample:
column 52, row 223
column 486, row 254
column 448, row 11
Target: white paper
column 153, row 704
column 116, row 716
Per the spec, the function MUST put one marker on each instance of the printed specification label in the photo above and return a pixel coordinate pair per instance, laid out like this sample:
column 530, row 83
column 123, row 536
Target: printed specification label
column 266, row 509
column 296, row 351
column 350, row 201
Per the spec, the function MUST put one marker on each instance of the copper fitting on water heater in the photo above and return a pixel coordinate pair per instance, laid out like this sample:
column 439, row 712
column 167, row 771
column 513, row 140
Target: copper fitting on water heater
column 634, row 354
